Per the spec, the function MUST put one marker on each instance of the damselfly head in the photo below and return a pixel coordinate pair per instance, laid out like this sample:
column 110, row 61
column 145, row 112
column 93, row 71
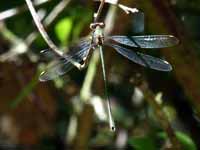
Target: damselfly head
column 94, row 25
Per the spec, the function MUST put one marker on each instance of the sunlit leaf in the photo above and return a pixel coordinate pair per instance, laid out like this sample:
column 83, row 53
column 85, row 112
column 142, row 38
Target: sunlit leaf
column 185, row 140
column 63, row 29
column 142, row 143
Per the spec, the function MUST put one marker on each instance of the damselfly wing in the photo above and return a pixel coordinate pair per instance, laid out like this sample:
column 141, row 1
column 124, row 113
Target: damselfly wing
column 146, row 42
column 142, row 59
column 62, row 64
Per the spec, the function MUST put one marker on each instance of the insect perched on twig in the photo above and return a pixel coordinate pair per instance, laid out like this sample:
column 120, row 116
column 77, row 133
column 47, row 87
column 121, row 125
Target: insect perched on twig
column 79, row 54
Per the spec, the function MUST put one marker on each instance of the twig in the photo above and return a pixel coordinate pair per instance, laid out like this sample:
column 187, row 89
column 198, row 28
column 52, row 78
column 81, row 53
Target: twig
column 49, row 19
column 85, row 92
column 15, row 11
column 128, row 10
column 97, row 15
column 161, row 116
column 45, row 36
column 22, row 46
column 41, row 28
column 18, row 45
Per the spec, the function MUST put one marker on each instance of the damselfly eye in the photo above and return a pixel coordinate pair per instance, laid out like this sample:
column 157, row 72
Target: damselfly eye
column 102, row 24
column 93, row 26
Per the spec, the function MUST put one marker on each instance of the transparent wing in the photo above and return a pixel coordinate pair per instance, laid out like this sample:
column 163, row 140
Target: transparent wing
column 62, row 65
column 47, row 53
column 142, row 59
column 146, row 41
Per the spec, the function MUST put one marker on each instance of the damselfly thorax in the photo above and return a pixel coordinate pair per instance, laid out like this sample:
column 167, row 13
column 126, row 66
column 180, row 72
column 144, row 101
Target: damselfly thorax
column 97, row 34
column 97, row 39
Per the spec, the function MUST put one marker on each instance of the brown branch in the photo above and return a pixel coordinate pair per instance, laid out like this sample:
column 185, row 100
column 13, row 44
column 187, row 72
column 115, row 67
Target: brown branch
column 97, row 15
column 161, row 116
column 84, row 130
column 41, row 28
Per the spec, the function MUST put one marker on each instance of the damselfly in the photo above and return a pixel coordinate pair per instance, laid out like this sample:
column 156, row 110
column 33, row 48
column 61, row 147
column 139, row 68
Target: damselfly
column 78, row 55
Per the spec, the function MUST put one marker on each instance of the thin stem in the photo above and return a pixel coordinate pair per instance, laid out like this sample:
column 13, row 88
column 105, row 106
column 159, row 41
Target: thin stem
column 162, row 118
column 40, row 26
column 126, row 9
column 85, row 92
column 49, row 19
column 97, row 15
column 45, row 35
column 111, row 121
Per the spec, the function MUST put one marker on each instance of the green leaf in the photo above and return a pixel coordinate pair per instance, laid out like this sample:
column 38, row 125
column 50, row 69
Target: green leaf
column 25, row 91
column 63, row 29
column 142, row 143
column 185, row 140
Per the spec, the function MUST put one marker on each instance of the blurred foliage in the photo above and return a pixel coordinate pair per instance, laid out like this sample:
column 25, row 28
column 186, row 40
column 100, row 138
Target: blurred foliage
column 143, row 143
column 26, row 91
column 185, row 140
